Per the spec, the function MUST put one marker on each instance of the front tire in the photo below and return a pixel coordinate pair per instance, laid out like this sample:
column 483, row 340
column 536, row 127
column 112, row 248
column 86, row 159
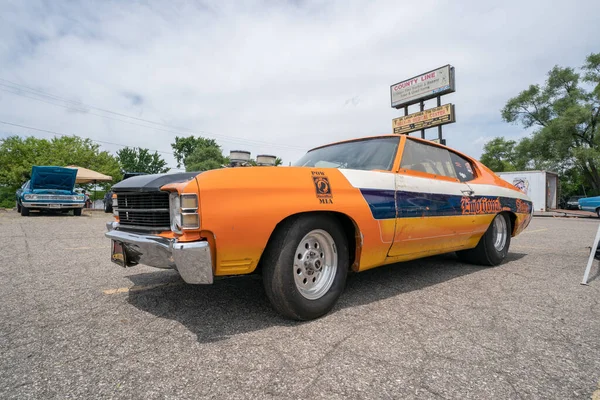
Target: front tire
column 18, row 207
column 24, row 211
column 77, row 212
column 493, row 245
column 305, row 266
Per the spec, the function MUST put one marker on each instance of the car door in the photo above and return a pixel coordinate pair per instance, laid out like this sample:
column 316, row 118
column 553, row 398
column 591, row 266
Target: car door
column 429, row 203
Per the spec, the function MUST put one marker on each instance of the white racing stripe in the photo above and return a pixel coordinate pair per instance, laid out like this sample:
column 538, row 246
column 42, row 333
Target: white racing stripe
column 391, row 181
column 369, row 179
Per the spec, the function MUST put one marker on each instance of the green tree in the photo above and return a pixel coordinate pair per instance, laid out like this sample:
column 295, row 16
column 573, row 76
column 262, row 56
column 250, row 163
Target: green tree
column 205, row 158
column 18, row 155
column 564, row 113
column 500, row 155
column 278, row 161
column 185, row 146
column 141, row 160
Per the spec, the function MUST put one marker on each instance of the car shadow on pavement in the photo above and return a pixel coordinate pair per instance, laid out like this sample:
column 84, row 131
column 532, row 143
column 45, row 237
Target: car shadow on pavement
column 233, row 306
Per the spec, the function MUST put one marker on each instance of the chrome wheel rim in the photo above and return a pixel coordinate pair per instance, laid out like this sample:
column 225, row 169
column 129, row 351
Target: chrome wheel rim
column 500, row 232
column 315, row 264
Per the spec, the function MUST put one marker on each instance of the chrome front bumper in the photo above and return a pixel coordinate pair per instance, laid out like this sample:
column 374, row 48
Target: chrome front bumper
column 192, row 260
column 36, row 204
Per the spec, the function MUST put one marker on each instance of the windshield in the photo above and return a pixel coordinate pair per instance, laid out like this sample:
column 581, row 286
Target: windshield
column 366, row 154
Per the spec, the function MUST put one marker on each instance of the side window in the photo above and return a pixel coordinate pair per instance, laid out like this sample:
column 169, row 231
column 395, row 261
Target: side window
column 422, row 157
column 463, row 168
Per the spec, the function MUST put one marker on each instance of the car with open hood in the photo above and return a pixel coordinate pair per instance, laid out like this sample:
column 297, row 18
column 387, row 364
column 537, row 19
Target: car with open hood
column 50, row 188
column 344, row 207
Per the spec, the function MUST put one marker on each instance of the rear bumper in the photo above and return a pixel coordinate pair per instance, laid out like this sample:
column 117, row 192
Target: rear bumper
column 193, row 260
column 41, row 204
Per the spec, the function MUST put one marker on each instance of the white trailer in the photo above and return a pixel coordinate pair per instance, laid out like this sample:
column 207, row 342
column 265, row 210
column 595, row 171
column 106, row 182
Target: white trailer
column 540, row 186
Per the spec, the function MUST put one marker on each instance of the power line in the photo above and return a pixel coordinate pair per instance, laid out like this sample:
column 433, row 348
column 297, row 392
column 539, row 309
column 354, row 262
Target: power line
column 51, row 99
column 66, row 134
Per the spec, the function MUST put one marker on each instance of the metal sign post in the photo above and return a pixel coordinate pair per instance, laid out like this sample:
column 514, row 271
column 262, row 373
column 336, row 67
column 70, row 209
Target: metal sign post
column 439, row 104
column 586, row 275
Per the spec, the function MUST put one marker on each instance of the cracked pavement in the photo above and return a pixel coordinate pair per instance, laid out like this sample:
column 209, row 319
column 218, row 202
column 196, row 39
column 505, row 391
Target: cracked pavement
column 74, row 325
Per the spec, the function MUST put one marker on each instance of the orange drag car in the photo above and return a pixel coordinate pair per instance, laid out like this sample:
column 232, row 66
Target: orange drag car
column 353, row 205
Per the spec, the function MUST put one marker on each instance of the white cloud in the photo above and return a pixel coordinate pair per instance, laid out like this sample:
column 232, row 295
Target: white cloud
column 290, row 75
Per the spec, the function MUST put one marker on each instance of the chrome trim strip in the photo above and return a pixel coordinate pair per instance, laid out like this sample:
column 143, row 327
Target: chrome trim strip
column 143, row 210
column 192, row 260
column 35, row 204
column 146, row 228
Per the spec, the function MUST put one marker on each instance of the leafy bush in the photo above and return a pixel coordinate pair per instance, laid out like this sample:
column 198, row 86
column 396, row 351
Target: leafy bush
column 7, row 197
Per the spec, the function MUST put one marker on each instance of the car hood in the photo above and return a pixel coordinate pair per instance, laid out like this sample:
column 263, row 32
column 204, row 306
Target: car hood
column 57, row 178
column 150, row 183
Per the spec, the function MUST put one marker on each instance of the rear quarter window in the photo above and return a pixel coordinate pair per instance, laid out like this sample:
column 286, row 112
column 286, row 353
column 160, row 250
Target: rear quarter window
column 463, row 167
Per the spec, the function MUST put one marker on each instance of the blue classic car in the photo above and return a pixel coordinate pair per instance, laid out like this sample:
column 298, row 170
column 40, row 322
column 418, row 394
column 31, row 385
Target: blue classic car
column 590, row 204
column 50, row 188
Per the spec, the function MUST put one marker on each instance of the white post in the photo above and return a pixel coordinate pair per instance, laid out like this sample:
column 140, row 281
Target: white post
column 586, row 275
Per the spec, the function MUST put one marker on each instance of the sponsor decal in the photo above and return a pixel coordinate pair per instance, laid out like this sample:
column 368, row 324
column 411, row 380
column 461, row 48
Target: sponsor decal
column 322, row 187
column 523, row 207
column 480, row 205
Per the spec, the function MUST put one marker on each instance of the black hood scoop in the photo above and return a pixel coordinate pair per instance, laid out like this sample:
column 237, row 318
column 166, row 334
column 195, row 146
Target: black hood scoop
column 151, row 183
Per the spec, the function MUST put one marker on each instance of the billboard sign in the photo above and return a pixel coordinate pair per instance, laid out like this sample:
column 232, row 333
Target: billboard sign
column 423, row 87
column 424, row 119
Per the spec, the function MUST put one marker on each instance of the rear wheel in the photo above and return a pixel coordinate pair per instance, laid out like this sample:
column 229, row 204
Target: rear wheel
column 77, row 212
column 598, row 212
column 493, row 245
column 24, row 211
column 305, row 266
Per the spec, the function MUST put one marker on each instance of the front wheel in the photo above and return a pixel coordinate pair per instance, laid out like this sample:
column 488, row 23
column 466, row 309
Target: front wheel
column 493, row 245
column 24, row 211
column 18, row 207
column 305, row 266
column 77, row 212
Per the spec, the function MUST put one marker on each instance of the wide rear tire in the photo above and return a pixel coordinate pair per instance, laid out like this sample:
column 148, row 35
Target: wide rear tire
column 493, row 245
column 305, row 266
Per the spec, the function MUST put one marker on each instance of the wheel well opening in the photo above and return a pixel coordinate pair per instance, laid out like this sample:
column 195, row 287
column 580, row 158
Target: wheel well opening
column 348, row 226
column 513, row 222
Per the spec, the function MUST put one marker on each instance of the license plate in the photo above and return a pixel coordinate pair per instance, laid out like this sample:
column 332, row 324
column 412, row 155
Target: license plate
column 118, row 255
column 54, row 205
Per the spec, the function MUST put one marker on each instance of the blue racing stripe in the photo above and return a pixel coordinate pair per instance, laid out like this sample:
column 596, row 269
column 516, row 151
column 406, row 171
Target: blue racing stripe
column 384, row 203
column 381, row 203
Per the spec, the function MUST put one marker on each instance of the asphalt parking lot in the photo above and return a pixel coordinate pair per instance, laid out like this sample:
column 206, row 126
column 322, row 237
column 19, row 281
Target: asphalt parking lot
column 74, row 325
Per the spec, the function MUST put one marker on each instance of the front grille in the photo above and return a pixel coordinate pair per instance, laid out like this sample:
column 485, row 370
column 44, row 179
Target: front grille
column 55, row 197
column 144, row 211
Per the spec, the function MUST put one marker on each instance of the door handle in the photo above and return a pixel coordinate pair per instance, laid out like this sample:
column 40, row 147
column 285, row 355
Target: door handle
column 468, row 192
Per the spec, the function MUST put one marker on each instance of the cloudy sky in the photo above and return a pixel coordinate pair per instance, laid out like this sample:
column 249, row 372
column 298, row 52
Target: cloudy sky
column 274, row 77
